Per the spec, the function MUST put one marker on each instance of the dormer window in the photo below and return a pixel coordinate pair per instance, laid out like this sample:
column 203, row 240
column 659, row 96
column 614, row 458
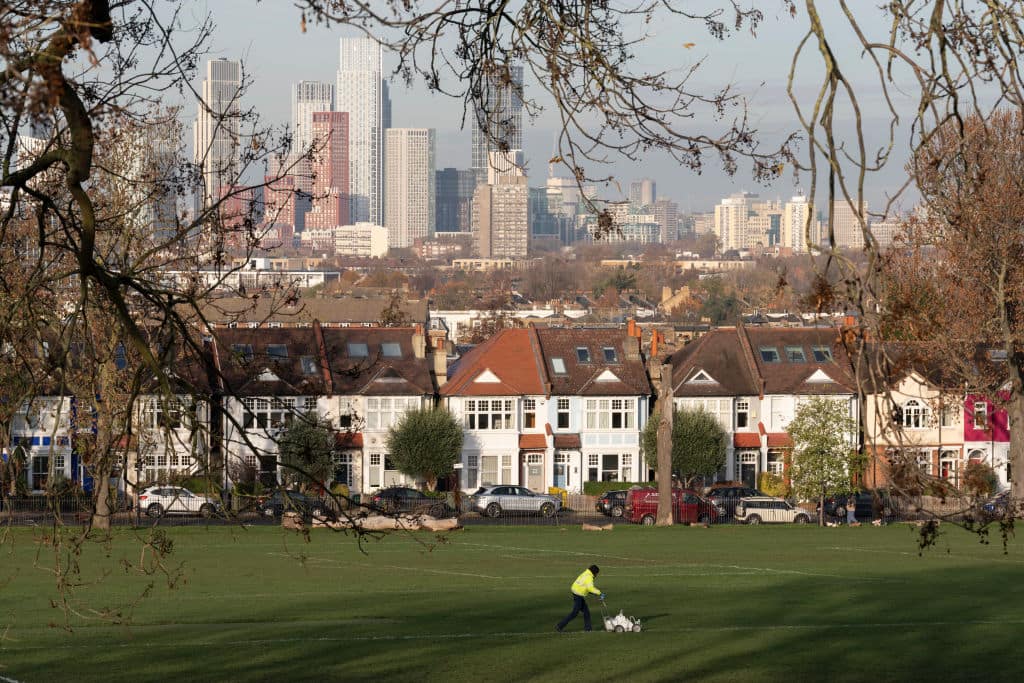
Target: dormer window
column 582, row 354
column 309, row 365
column 769, row 354
column 822, row 354
column 609, row 355
column 391, row 350
column 795, row 354
column 277, row 351
column 242, row 351
column 357, row 350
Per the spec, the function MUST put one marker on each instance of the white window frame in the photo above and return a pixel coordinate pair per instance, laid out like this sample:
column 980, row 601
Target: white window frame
column 384, row 412
column 606, row 414
column 743, row 408
column 980, row 409
column 529, row 413
column 562, row 409
column 488, row 414
column 915, row 414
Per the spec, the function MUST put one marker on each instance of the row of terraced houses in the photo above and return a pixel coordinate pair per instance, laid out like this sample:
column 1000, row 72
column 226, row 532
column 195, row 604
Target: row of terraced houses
column 540, row 407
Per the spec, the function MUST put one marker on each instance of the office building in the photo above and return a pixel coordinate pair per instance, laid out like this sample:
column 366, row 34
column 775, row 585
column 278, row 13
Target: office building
column 453, row 207
column 643, row 193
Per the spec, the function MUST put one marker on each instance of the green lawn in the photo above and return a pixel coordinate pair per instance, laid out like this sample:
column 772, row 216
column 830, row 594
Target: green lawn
column 729, row 603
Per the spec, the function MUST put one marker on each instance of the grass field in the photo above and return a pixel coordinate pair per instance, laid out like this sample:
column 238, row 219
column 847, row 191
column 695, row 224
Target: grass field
column 729, row 603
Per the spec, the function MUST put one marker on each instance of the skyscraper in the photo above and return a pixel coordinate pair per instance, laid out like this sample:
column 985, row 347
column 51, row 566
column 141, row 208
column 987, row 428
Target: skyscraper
column 454, row 204
column 643, row 193
column 409, row 185
column 330, row 171
column 501, row 114
column 216, row 133
column 308, row 97
column 794, row 224
column 363, row 94
column 666, row 215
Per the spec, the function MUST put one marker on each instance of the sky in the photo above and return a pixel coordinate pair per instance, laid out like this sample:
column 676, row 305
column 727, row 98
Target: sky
column 268, row 38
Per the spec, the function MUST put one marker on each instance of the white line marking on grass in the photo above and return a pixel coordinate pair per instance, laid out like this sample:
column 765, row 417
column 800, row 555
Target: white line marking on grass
column 558, row 552
column 5, row 679
column 136, row 643
column 1000, row 558
column 328, row 560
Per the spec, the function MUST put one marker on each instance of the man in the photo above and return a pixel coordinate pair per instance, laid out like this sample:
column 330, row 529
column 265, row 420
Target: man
column 581, row 588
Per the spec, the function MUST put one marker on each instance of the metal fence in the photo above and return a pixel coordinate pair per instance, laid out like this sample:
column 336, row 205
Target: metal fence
column 576, row 510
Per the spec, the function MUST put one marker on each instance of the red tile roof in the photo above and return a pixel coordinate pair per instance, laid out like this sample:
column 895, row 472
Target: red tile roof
column 348, row 439
column 567, row 441
column 747, row 440
column 532, row 441
column 510, row 357
column 779, row 441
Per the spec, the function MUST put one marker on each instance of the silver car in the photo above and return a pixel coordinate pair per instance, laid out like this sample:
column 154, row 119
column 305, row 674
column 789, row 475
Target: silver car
column 492, row 501
column 758, row 509
column 157, row 501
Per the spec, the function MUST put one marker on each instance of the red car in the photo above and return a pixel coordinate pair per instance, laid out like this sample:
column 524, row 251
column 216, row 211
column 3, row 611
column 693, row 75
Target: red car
column 687, row 506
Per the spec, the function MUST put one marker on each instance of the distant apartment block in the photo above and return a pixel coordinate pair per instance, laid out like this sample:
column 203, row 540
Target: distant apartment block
column 360, row 239
column 330, row 171
column 500, row 218
column 409, row 213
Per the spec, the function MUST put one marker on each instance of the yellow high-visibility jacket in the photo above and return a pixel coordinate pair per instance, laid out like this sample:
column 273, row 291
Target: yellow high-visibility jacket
column 584, row 584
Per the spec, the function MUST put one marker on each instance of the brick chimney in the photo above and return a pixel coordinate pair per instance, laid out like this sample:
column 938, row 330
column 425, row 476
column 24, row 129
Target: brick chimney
column 440, row 365
column 419, row 342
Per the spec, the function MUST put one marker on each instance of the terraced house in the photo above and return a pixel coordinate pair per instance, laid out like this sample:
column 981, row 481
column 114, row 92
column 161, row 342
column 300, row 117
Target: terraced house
column 362, row 380
column 752, row 379
column 548, row 407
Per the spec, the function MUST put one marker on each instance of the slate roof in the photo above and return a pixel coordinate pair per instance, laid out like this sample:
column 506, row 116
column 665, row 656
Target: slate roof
column 732, row 358
column 520, row 363
column 314, row 361
column 624, row 375
column 328, row 310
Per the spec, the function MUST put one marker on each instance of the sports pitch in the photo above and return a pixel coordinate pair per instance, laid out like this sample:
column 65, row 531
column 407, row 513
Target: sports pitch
column 730, row 603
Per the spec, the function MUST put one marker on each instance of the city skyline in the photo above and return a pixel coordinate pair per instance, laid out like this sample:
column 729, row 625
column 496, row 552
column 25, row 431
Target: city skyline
column 309, row 55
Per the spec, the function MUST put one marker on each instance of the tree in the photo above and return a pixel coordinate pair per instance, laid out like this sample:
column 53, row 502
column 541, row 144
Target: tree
column 825, row 458
column 426, row 444
column 305, row 452
column 698, row 445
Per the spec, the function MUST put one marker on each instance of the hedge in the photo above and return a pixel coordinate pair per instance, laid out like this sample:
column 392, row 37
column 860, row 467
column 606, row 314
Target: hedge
column 596, row 488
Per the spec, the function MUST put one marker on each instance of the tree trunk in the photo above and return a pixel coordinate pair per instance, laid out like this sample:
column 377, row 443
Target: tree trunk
column 101, row 500
column 665, row 448
column 1015, row 412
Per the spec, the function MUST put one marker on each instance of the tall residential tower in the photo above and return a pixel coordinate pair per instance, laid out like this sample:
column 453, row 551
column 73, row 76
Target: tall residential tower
column 409, row 214
column 363, row 94
column 217, row 129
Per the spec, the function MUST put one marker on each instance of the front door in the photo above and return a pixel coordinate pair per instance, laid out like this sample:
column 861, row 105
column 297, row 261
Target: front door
column 561, row 478
column 535, row 471
column 748, row 474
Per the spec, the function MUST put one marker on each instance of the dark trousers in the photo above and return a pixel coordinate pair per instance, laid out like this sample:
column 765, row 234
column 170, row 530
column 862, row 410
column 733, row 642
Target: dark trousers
column 579, row 604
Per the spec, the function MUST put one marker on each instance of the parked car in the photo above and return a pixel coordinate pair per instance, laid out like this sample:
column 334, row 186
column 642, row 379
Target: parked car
column 870, row 505
column 404, row 499
column 280, row 501
column 687, row 506
column 493, row 501
column 727, row 496
column 158, row 501
column 997, row 505
column 612, row 503
column 768, row 509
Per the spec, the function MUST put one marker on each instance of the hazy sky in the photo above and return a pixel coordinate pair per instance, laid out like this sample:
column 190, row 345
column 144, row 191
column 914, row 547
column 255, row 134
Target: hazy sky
column 268, row 38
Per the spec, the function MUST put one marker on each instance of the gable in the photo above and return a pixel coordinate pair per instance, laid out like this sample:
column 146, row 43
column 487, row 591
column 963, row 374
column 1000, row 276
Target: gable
column 607, row 376
column 702, row 377
column 487, row 377
column 266, row 375
column 819, row 376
